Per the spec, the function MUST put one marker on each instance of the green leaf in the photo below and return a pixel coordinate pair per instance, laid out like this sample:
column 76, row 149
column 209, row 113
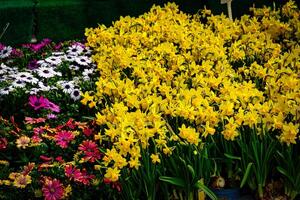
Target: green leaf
column 206, row 190
column 246, row 175
column 232, row 157
column 285, row 173
column 190, row 168
column 173, row 180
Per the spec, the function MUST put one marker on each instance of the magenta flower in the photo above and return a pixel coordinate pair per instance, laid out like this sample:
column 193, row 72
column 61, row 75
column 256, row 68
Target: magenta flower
column 1, row 46
column 72, row 173
column 42, row 102
column 32, row 64
column 90, row 150
column 51, row 116
column 53, row 107
column 63, row 138
column 53, row 189
column 38, row 102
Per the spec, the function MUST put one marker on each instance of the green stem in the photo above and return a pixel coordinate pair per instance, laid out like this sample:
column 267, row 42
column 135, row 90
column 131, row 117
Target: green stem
column 293, row 194
column 191, row 195
column 260, row 191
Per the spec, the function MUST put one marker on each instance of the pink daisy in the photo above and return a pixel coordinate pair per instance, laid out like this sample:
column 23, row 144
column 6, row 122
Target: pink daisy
column 52, row 189
column 90, row 149
column 85, row 178
column 53, row 107
column 38, row 102
column 63, row 138
column 72, row 173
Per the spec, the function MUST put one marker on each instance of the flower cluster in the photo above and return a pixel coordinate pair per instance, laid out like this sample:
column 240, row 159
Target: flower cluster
column 53, row 159
column 166, row 77
column 64, row 68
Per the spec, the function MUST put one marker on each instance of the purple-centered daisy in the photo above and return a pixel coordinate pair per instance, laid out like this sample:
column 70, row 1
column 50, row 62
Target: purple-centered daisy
column 38, row 102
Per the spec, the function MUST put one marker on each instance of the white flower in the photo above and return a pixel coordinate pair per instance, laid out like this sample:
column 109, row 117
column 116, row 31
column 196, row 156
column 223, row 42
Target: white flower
column 23, row 76
column 34, row 91
column 75, row 94
column 5, row 52
column 43, row 87
column 3, row 66
column 54, row 60
column 73, row 67
column 46, row 72
column 87, row 51
column 68, row 87
column 3, row 71
column 31, row 80
column 58, row 54
column 75, row 49
column 42, row 63
column 7, row 90
column 19, row 84
column 83, row 60
column 69, row 58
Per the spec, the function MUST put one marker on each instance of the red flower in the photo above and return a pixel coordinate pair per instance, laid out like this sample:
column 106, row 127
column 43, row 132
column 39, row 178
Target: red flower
column 90, row 149
column 3, row 143
column 63, row 138
column 77, row 175
column 88, row 131
column 72, row 173
column 70, row 124
column 85, row 177
column 52, row 189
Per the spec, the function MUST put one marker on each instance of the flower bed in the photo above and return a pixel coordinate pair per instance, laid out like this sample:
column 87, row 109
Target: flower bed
column 173, row 104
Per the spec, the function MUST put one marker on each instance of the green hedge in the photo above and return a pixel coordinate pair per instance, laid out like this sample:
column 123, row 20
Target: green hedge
column 67, row 19
column 19, row 15
column 60, row 19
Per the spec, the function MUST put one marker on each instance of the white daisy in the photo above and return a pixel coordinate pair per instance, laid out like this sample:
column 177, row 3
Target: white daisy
column 73, row 67
column 34, row 91
column 43, row 87
column 75, row 94
column 68, row 87
column 23, row 76
column 3, row 71
column 42, row 63
column 46, row 72
column 69, row 58
column 18, row 84
column 3, row 66
column 87, row 51
column 5, row 52
column 75, row 49
column 58, row 54
column 54, row 60
column 7, row 90
column 83, row 60
column 31, row 80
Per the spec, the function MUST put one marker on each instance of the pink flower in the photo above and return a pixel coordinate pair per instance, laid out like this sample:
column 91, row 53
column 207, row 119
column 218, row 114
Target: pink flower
column 51, row 116
column 52, row 189
column 63, row 138
column 72, row 173
column 38, row 102
column 42, row 102
column 77, row 175
column 53, row 107
column 3, row 143
column 29, row 120
column 90, row 149
column 85, row 178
